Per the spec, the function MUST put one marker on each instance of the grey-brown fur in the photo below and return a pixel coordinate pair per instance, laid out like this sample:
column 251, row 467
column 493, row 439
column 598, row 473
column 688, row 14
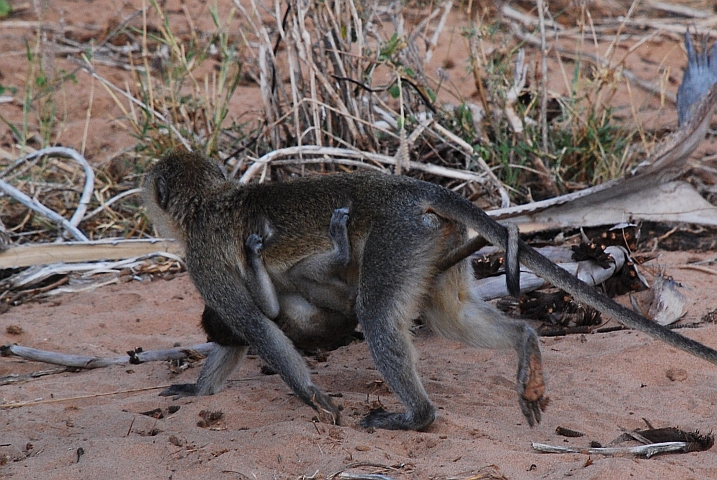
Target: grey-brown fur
column 399, row 231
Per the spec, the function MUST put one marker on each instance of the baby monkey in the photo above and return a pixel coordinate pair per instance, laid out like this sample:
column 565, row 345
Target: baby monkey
column 400, row 233
column 315, row 317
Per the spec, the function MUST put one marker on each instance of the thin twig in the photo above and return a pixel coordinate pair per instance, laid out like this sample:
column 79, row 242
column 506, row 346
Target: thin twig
column 15, row 378
column 699, row 268
column 433, row 42
column 112, row 200
column 79, row 397
column 542, row 7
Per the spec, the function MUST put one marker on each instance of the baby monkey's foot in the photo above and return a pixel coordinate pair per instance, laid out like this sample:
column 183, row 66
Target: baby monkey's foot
column 338, row 232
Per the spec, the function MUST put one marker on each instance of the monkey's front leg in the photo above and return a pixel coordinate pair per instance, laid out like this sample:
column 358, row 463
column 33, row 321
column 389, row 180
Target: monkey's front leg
column 279, row 353
column 235, row 322
column 220, row 363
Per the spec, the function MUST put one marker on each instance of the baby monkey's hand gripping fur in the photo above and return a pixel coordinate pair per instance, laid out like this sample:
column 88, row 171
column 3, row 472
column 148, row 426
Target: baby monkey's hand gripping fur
column 400, row 232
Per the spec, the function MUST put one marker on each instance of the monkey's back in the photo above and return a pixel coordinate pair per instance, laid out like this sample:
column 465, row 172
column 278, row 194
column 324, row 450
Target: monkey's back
column 300, row 210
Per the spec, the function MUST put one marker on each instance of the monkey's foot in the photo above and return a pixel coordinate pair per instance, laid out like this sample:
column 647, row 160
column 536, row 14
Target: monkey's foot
column 532, row 400
column 380, row 418
column 180, row 390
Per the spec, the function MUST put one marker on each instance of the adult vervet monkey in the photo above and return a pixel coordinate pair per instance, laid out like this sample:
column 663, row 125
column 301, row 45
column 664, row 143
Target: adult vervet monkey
column 400, row 230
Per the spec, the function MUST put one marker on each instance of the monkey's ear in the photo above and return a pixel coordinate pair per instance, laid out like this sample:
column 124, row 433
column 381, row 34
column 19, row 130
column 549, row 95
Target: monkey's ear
column 161, row 191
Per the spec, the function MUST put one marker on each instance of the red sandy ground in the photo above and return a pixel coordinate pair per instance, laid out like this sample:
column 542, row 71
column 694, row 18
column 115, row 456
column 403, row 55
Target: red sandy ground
column 598, row 384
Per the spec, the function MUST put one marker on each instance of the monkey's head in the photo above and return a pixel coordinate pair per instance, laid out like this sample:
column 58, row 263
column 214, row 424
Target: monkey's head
column 175, row 185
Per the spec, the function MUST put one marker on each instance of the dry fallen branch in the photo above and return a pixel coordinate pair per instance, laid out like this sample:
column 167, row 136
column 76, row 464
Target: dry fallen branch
column 40, row 273
column 69, row 252
column 42, row 210
column 87, row 191
column 646, row 451
column 86, row 362
column 633, row 196
column 655, row 441
column 588, row 271
column 77, row 217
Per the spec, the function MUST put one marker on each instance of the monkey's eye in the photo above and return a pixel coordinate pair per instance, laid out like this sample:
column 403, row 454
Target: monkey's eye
column 162, row 192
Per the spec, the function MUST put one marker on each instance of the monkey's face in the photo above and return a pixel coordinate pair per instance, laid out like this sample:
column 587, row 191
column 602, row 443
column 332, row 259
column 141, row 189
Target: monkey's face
column 173, row 186
column 155, row 196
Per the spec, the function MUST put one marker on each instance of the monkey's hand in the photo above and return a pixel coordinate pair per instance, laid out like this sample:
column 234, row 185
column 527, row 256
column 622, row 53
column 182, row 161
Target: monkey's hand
column 180, row 390
column 531, row 385
column 254, row 243
column 323, row 404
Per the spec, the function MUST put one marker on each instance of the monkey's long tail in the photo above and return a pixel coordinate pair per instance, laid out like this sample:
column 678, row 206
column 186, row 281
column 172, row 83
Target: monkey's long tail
column 457, row 208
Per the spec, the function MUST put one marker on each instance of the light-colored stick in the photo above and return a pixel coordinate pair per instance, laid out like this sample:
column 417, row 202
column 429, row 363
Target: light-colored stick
column 41, row 209
column 646, row 451
column 31, row 276
column 89, row 177
column 433, row 42
column 87, row 362
column 68, row 252
column 586, row 271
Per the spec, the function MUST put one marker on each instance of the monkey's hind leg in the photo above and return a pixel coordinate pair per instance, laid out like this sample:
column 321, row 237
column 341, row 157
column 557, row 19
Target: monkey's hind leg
column 393, row 283
column 457, row 312
column 220, row 363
